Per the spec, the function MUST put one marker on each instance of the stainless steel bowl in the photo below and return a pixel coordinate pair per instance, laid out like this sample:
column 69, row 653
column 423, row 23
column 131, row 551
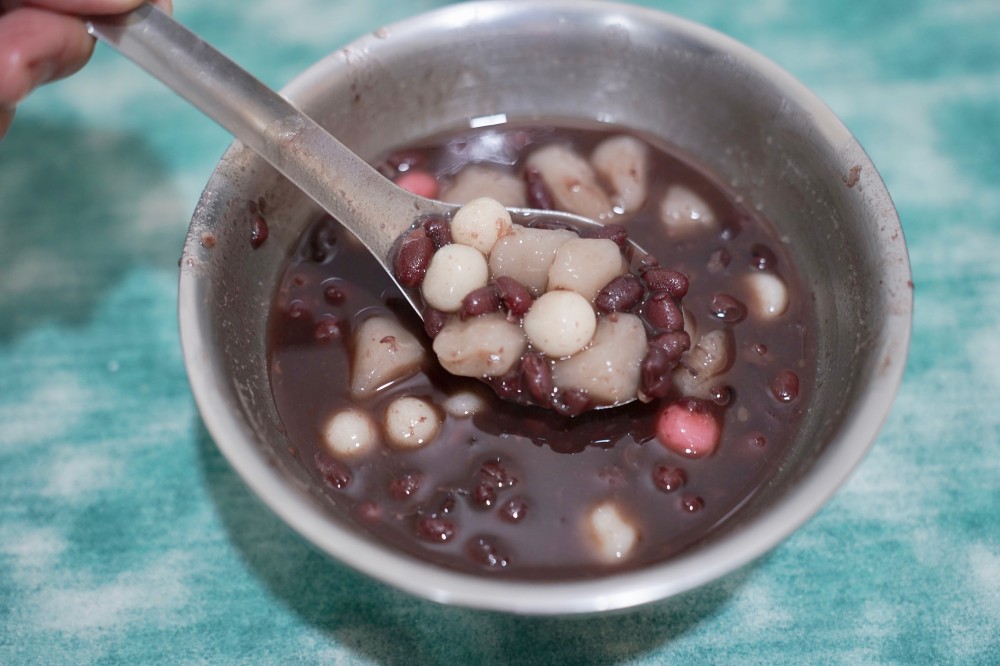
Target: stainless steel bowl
column 746, row 119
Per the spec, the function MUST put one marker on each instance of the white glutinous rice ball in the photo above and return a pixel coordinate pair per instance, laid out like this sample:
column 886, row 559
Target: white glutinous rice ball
column 349, row 433
column 480, row 223
column 411, row 422
column 454, row 271
column 560, row 323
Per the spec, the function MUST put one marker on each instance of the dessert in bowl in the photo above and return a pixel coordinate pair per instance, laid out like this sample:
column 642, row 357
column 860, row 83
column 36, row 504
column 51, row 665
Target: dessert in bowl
column 781, row 350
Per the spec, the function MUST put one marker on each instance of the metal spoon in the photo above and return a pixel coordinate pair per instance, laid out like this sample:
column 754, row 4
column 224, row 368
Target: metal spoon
column 369, row 205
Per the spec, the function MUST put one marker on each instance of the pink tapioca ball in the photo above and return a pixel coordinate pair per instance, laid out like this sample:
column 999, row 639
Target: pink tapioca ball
column 689, row 428
column 420, row 183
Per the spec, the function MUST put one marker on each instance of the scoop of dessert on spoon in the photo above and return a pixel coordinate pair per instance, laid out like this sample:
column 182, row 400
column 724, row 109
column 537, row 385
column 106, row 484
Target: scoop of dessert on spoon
column 517, row 334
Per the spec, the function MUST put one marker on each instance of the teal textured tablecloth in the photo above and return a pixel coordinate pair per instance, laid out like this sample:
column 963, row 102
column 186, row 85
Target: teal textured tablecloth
column 125, row 537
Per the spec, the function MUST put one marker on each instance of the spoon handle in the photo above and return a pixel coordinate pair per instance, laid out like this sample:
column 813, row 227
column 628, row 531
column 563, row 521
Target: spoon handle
column 342, row 183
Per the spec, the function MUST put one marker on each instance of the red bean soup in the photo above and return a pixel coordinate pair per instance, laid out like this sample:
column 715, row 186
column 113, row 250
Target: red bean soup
column 534, row 484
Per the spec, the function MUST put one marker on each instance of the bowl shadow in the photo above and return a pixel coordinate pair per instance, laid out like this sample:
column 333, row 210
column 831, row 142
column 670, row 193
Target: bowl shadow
column 387, row 625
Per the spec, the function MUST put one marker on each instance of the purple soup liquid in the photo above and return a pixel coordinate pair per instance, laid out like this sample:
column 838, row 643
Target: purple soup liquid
column 508, row 491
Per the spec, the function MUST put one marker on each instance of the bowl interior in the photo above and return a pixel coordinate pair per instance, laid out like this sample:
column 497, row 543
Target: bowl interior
column 742, row 117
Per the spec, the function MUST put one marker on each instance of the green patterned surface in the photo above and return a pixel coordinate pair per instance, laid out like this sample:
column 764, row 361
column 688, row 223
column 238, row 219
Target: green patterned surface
column 125, row 538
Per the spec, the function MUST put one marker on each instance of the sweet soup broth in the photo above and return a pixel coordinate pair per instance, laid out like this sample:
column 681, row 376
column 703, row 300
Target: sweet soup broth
column 499, row 488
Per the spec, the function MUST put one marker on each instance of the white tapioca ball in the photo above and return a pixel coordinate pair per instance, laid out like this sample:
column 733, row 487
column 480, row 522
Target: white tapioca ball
column 349, row 433
column 485, row 346
column 526, row 255
column 571, row 181
column 560, row 323
column 454, row 271
column 411, row 422
column 613, row 534
column 683, row 211
column 770, row 294
column 480, row 223
column 477, row 180
column 586, row 265
column 609, row 369
column 622, row 162
column 708, row 358
column 383, row 352
column 465, row 403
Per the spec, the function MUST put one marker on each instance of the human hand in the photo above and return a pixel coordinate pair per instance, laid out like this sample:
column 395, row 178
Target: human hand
column 46, row 40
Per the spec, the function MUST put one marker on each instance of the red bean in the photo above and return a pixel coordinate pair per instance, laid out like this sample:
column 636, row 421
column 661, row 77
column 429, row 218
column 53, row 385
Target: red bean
column 442, row 504
column 328, row 328
column 485, row 494
column 615, row 232
column 662, row 311
column 514, row 510
column 727, row 308
column 571, row 403
column 785, row 386
column 668, row 479
column 509, row 386
column 515, row 296
column 648, row 262
column 434, row 321
column 258, row 232
column 763, row 258
column 692, row 504
column 405, row 486
column 674, row 344
column 620, row 295
column 481, row 301
column 334, row 295
column 538, row 194
column 537, row 377
column 655, row 372
column 667, row 280
column 497, row 473
column 413, row 258
column 435, row 529
column 335, row 473
column 718, row 261
column 438, row 230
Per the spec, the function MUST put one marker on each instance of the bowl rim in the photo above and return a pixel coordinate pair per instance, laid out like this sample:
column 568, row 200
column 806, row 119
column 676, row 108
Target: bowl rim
column 684, row 572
